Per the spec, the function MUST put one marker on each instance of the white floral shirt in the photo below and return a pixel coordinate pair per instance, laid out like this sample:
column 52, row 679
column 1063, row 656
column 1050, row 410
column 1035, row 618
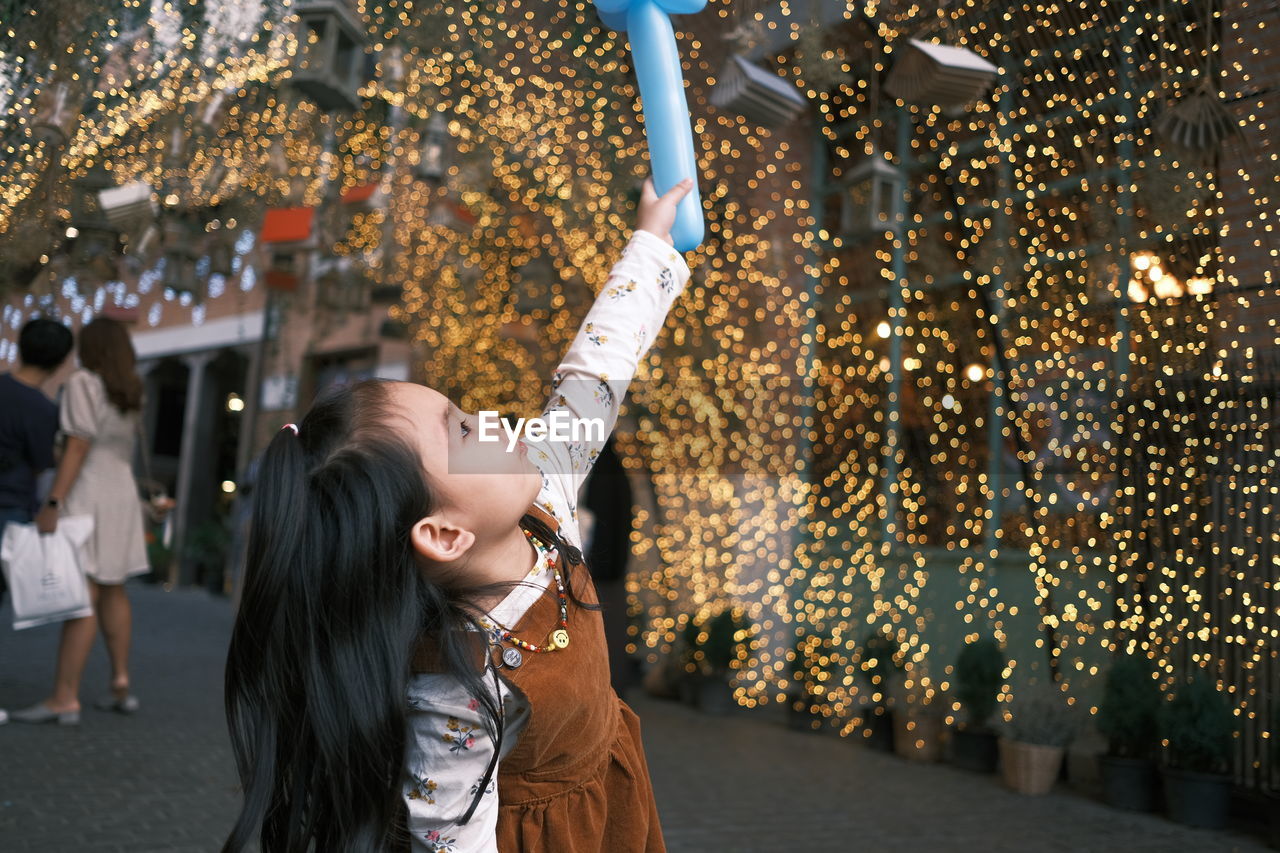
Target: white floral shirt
column 447, row 749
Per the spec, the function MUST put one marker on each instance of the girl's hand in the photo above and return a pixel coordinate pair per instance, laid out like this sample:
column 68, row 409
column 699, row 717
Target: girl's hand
column 658, row 214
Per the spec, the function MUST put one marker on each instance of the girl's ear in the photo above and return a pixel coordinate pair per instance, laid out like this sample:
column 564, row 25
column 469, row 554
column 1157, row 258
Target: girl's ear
column 436, row 540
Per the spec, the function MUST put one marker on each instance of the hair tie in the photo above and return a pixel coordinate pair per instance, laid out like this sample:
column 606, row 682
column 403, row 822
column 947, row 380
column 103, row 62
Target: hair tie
column 293, row 427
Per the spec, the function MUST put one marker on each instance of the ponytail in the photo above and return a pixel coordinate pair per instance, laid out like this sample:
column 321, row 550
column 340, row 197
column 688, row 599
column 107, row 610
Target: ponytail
column 333, row 604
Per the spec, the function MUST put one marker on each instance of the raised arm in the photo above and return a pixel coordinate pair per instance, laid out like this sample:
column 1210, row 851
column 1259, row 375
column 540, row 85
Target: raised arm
column 588, row 387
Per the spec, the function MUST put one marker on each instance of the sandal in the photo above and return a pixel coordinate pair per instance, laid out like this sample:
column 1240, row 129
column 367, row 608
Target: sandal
column 42, row 713
column 128, row 705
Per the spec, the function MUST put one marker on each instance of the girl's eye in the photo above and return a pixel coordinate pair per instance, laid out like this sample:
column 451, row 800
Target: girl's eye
column 466, row 428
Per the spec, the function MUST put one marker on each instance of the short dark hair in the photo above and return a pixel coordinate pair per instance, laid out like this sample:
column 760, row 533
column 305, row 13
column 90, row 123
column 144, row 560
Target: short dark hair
column 44, row 343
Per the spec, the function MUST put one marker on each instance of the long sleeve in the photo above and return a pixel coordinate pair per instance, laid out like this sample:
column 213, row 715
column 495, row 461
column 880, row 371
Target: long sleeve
column 595, row 373
column 447, row 752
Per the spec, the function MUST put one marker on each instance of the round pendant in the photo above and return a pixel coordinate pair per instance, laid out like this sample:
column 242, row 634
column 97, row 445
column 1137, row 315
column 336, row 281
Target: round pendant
column 512, row 657
column 560, row 638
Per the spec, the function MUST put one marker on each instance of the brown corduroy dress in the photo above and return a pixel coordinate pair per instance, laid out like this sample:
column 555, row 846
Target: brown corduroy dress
column 577, row 780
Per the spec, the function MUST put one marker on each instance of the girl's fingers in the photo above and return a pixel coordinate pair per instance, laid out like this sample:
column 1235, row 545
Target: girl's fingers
column 678, row 192
column 672, row 196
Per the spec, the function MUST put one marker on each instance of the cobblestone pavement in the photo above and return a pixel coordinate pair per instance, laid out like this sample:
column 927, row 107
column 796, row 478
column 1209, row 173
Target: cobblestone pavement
column 163, row 780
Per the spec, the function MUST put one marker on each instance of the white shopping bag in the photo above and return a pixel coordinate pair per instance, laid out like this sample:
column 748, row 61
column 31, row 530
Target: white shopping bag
column 46, row 581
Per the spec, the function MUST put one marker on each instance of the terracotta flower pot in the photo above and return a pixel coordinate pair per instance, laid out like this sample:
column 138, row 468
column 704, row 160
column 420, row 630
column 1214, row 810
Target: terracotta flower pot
column 1030, row 768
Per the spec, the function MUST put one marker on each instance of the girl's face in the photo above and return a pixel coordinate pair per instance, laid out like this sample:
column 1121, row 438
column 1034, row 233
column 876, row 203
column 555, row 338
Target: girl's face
column 482, row 486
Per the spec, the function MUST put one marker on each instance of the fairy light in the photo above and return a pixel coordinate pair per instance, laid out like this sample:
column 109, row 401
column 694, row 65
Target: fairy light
column 1036, row 215
column 1074, row 290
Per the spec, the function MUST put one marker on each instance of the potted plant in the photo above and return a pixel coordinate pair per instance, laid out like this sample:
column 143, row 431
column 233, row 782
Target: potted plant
column 979, row 674
column 918, row 723
column 206, row 547
column 880, row 665
column 1032, row 750
column 159, row 557
column 1127, row 719
column 726, row 636
column 1197, row 728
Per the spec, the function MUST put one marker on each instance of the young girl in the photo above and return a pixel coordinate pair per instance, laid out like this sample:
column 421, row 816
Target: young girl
column 418, row 661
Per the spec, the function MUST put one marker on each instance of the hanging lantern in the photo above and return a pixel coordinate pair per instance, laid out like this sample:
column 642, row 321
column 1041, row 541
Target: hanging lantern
column 288, row 233
column 129, row 205
column 214, row 180
column 96, row 242
column 55, row 114
column 214, row 111
column 341, row 284
column 756, row 94
column 1199, row 121
column 365, row 198
column 434, row 156
column 870, row 203
column 175, row 144
column 179, row 272
column 278, row 159
column 939, row 74
column 331, row 61
column 138, row 249
column 221, row 250
column 131, row 208
column 179, row 253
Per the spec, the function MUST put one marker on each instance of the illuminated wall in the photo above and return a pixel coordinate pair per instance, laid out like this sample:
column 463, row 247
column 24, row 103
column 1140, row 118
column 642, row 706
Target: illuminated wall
column 1049, row 398
column 1012, row 392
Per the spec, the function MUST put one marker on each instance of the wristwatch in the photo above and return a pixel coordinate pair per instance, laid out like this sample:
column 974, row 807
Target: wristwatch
column 53, row 502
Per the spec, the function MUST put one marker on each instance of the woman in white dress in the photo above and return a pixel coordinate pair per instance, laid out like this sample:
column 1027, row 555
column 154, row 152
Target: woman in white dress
column 99, row 417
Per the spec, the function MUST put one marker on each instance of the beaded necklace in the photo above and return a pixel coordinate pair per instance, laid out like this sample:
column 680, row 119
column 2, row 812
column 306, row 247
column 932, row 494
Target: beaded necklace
column 559, row 637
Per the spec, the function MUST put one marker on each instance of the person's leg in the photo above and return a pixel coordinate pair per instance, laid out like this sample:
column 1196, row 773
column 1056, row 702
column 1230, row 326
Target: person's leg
column 73, row 652
column 116, row 617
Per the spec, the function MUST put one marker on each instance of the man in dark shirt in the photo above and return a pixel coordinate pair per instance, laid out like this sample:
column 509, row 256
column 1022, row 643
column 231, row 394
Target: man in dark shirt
column 28, row 419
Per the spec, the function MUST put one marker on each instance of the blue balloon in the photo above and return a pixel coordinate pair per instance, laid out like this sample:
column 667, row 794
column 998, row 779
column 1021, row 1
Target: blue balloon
column 666, row 112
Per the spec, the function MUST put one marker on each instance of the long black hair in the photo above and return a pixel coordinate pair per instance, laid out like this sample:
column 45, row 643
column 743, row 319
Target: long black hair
column 334, row 604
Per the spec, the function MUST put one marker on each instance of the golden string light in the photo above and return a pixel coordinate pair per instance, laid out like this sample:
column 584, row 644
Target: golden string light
column 1040, row 407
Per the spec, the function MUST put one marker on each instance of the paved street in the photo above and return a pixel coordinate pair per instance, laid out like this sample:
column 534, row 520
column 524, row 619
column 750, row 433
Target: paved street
column 163, row 780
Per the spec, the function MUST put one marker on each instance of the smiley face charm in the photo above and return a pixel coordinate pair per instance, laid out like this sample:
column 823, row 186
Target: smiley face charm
column 560, row 638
